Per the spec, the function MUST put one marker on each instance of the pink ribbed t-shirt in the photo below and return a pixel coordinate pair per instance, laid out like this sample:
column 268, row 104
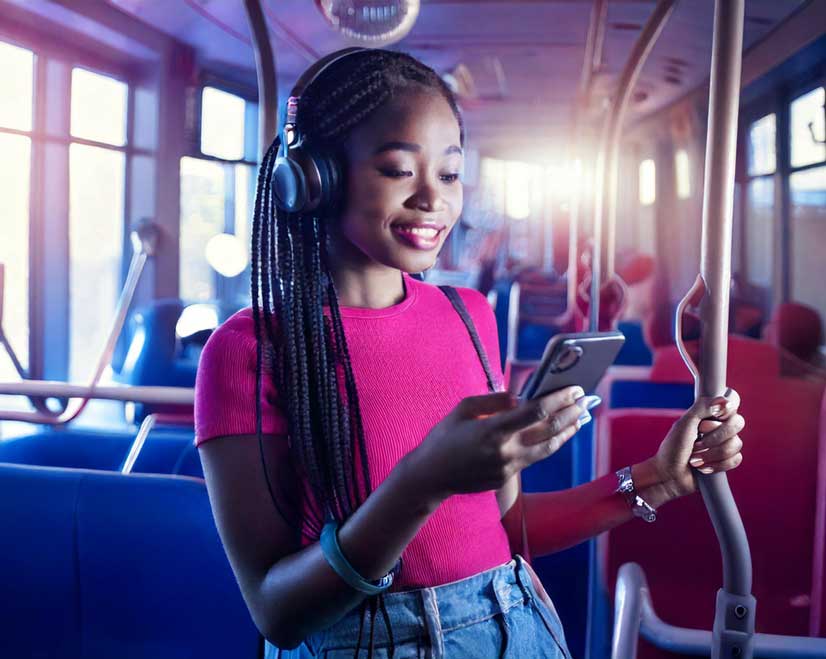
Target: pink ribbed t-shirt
column 413, row 362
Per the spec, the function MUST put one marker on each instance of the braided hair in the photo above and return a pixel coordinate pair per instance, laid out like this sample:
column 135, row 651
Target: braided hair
column 302, row 348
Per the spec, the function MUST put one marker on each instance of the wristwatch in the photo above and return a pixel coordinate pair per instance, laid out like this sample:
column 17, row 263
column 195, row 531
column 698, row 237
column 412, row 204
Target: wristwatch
column 638, row 505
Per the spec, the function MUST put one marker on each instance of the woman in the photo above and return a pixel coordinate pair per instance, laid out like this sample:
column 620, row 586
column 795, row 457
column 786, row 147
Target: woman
column 363, row 483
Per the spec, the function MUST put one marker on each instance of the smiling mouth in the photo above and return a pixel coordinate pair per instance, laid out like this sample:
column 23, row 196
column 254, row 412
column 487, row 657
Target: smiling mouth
column 424, row 237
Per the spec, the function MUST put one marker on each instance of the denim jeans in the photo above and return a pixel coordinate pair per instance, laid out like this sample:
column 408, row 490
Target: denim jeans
column 496, row 613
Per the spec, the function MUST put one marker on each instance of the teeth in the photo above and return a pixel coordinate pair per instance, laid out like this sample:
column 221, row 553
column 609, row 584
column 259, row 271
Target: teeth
column 421, row 231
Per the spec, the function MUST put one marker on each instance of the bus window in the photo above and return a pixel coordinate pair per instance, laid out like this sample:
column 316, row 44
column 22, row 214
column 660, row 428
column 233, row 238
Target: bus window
column 808, row 234
column 16, row 85
column 97, row 177
column 762, row 134
column 807, row 129
column 648, row 182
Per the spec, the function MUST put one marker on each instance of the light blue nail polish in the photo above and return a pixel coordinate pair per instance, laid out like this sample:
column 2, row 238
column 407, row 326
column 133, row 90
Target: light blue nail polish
column 584, row 418
column 589, row 402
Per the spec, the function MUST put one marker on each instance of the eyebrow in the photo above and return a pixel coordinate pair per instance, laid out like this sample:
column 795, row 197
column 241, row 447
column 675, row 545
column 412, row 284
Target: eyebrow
column 409, row 146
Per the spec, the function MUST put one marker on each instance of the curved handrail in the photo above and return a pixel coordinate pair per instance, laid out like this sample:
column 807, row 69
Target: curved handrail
column 606, row 174
column 635, row 615
column 145, row 237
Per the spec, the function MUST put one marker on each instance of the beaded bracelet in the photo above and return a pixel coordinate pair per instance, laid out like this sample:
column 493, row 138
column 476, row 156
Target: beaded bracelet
column 342, row 567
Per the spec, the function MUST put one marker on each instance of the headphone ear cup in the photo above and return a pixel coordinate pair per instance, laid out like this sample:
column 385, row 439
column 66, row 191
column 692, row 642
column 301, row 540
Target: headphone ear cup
column 330, row 182
column 289, row 185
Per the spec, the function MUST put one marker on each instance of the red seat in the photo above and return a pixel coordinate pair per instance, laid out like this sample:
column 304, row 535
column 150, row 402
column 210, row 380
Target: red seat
column 796, row 328
column 818, row 613
column 746, row 357
column 776, row 491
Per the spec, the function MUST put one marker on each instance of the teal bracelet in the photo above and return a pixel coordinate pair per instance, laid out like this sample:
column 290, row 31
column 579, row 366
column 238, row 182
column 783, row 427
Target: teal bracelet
column 342, row 567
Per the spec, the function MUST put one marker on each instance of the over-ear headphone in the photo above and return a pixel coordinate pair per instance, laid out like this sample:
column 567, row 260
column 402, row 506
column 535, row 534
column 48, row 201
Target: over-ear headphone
column 305, row 179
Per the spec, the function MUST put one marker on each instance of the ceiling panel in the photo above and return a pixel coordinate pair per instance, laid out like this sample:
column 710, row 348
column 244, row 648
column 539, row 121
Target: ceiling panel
column 524, row 56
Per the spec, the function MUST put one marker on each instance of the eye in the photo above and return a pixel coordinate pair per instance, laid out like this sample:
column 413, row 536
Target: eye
column 395, row 173
column 449, row 178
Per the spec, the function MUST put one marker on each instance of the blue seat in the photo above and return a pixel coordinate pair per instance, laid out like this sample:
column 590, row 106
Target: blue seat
column 565, row 573
column 97, row 565
column 634, row 352
column 651, row 395
column 94, row 449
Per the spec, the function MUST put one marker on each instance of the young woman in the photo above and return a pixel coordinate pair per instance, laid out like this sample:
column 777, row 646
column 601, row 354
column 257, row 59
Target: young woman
column 346, row 427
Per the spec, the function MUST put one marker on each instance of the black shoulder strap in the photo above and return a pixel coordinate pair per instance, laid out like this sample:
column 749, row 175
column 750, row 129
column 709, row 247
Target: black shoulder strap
column 456, row 300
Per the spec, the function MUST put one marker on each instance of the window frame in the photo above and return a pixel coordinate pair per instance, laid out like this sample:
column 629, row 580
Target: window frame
column 48, row 352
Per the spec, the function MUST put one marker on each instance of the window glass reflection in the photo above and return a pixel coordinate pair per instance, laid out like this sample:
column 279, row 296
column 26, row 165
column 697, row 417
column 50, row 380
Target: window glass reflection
column 759, row 230
column 98, row 108
column 761, row 156
column 682, row 169
column 222, row 124
column 16, row 84
column 807, row 129
column 203, row 215
column 96, row 184
column 648, row 182
column 15, row 155
column 808, row 233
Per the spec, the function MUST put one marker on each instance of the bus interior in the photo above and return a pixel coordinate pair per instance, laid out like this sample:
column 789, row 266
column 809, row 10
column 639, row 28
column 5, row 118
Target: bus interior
column 596, row 163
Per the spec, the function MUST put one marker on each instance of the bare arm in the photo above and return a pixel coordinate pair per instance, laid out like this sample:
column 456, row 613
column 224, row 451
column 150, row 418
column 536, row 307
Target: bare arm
column 292, row 592
column 561, row 519
column 558, row 520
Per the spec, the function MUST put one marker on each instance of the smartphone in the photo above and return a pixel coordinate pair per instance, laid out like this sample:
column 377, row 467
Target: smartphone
column 573, row 359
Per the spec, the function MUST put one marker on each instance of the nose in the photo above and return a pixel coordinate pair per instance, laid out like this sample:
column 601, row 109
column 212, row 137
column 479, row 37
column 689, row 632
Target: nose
column 428, row 197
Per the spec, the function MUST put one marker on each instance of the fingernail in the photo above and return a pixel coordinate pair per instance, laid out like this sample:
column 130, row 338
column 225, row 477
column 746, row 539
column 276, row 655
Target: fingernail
column 698, row 445
column 706, row 470
column 716, row 410
column 589, row 402
column 584, row 418
column 578, row 393
column 696, row 462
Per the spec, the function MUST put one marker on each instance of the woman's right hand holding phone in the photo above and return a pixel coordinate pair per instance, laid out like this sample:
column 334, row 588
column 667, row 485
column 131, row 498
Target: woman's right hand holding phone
column 487, row 439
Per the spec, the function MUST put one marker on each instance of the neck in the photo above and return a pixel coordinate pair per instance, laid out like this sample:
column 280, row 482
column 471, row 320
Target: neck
column 360, row 281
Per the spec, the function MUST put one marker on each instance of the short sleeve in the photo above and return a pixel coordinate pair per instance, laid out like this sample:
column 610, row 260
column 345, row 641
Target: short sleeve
column 485, row 321
column 225, row 385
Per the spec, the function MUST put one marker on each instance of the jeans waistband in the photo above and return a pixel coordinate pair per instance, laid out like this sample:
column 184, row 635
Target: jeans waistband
column 438, row 609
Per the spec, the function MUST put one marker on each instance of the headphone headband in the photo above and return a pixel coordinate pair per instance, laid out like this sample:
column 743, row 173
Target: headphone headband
column 309, row 76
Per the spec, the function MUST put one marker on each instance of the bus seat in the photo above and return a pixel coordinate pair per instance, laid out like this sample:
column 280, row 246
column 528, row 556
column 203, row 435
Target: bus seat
column 634, row 351
column 818, row 613
column 100, row 565
column 189, row 463
column 746, row 357
column 565, row 574
column 95, row 449
column 152, row 357
column 796, row 328
column 651, row 395
column 775, row 489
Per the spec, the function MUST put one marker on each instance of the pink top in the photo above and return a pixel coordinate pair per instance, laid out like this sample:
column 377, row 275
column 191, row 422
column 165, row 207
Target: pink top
column 413, row 362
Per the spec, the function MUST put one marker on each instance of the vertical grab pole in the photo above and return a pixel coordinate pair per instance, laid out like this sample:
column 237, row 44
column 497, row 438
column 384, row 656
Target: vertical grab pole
column 607, row 163
column 265, row 69
column 594, row 43
column 734, row 620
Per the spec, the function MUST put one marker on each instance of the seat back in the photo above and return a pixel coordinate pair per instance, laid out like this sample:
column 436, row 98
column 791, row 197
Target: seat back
column 98, row 449
column 536, row 311
column 634, row 352
column 776, row 492
column 99, row 565
column 746, row 357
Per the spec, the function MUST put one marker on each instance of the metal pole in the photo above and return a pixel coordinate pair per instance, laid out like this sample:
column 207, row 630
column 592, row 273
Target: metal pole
column 265, row 69
column 606, row 175
column 734, row 620
column 594, row 43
